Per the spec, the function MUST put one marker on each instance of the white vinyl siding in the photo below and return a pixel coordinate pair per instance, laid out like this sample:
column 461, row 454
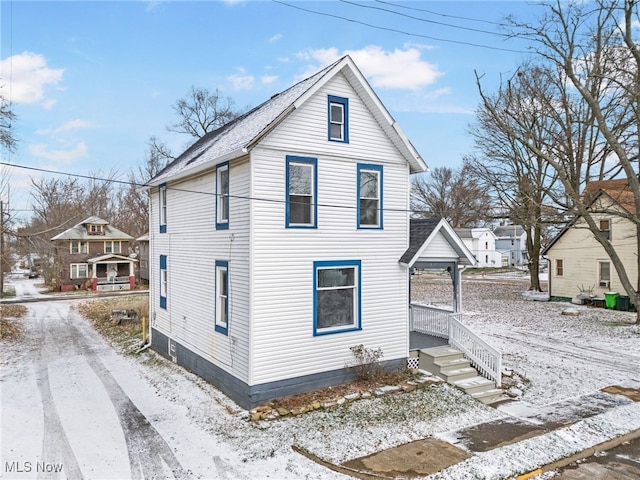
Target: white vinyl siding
column 193, row 246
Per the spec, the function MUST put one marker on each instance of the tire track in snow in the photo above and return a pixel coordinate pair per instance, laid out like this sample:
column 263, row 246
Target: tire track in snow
column 616, row 360
column 55, row 444
column 149, row 454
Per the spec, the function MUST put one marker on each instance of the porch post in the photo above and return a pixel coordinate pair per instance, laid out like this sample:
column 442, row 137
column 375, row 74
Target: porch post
column 455, row 280
column 94, row 277
column 132, row 277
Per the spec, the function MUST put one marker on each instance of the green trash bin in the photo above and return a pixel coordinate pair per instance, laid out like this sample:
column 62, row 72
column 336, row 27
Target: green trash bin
column 610, row 299
column 623, row 302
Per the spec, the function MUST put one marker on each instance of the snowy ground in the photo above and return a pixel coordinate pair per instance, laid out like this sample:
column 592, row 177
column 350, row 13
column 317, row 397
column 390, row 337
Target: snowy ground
column 208, row 436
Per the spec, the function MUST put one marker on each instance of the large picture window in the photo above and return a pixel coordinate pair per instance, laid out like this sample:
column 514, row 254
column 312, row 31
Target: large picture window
column 162, row 205
column 338, row 119
column 222, row 198
column 336, row 296
column 302, row 194
column 164, row 281
column 369, row 196
column 222, row 297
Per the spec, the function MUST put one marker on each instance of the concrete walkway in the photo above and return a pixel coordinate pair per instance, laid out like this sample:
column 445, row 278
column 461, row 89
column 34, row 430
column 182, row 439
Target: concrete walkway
column 527, row 440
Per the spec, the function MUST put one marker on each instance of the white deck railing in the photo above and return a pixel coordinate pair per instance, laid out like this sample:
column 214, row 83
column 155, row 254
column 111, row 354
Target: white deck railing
column 444, row 323
column 486, row 359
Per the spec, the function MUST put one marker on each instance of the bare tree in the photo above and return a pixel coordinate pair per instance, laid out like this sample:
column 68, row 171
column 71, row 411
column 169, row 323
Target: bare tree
column 597, row 57
column 202, row 111
column 133, row 204
column 452, row 194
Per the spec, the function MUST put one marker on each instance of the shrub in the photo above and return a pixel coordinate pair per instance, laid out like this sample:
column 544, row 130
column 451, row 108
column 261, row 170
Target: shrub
column 367, row 362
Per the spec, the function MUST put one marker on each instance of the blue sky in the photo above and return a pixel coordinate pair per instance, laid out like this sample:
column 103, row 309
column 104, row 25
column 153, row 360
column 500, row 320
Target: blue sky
column 91, row 82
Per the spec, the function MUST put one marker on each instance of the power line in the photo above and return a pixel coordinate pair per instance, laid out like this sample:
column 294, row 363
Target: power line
column 444, row 15
column 423, row 19
column 394, row 30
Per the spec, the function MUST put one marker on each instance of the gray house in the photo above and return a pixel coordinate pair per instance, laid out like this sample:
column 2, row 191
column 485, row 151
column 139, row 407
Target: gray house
column 511, row 242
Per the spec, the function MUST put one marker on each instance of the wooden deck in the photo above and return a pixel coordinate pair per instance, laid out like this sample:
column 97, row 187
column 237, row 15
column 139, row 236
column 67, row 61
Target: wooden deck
column 418, row 341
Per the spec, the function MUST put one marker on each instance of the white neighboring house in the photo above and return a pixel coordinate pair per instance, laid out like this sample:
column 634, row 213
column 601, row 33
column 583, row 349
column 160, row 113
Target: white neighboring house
column 276, row 240
column 481, row 241
column 511, row 242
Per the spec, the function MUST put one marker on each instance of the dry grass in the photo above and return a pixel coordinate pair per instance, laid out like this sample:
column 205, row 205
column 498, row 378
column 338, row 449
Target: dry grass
column 10, row 325
column 125, row 335
column 329, row 394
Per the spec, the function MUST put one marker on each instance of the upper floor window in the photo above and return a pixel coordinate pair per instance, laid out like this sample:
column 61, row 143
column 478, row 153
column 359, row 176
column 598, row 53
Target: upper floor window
column 338, row 119
column 369, row 196
column 301, row 186
column 162, row 202
column 95, row 229
column 222, row 197
column 605, row 228
column 164, row 283
column 78, row 246
column 112, row 246
column 222, row 297
column 336, row 296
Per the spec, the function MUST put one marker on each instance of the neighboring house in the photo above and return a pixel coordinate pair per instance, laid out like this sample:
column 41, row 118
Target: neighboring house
column 94, row 255
column 577, row 261
column 276, row 241
column 511, row 242
column 482, row 243
column 143, row 258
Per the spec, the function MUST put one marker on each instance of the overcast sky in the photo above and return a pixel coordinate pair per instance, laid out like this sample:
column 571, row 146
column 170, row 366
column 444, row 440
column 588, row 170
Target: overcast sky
column 91, row 82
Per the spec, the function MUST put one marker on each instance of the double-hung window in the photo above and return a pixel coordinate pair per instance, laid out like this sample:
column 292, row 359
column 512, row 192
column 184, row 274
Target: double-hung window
column 336, row 304
column 78, row 246
column 222, row 297
column 559, row 267
column 338, row 119
column 78, row 270
column 162, row 202
column 605, row 228
column 164, row 282
column 369, row 196
column 604, row 274
column 301, row 186
column 112, row 246
column 222, row 197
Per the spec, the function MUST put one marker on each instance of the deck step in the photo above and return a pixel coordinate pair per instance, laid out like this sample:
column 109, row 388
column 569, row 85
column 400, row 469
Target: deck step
column 450, row 364
column 474, row 384
column 452, row 375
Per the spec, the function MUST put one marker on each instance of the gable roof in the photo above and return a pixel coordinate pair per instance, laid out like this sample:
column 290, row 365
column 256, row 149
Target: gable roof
column 423, row 230
column 79, row 231
column 239, row 136
column 617, row 190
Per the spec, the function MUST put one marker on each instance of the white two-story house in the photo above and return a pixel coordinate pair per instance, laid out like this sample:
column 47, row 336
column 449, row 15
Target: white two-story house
column 275, row 241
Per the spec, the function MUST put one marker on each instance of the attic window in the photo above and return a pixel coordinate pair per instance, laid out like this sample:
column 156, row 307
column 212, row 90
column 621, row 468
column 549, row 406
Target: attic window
column 605, row 228
column 338, row 119
column 94, row 229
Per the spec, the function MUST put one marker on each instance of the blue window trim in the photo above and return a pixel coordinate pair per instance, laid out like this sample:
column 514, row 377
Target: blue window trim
column 162, row 202
column 163, row 266
column 337, row 264
column 379, row 169
column 314, row 201
column 345, row 104
column 219, row 328
column 224, row 225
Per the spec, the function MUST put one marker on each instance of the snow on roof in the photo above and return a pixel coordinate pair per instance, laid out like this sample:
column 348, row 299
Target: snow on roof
column 237, row 137
column 79, row 231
